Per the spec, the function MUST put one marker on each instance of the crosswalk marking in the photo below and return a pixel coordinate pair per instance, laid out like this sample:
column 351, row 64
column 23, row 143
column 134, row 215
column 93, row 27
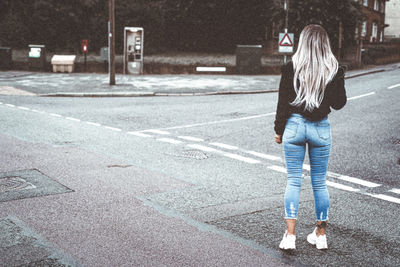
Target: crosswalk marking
column 169, row 140
column 225, row 146
column 241, row 158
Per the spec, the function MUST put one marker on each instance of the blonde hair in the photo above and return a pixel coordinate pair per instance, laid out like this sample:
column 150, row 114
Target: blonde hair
column 314, row 66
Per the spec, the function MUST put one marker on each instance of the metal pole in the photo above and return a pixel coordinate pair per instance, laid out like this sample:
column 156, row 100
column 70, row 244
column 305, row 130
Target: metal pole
column 286, row 8
column 340, row 40
column 111, row 38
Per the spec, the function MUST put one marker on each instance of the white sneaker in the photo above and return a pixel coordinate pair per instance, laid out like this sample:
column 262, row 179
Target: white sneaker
column 288, row 242
column 319, row 241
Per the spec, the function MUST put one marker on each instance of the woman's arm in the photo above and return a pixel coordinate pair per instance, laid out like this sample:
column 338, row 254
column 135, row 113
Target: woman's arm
column 282, row 107
column 337, row 95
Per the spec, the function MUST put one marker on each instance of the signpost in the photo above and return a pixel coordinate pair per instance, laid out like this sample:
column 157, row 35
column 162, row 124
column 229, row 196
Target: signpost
column 286, row 42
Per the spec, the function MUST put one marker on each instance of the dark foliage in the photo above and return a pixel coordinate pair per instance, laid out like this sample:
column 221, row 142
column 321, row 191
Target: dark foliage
column 170, row 25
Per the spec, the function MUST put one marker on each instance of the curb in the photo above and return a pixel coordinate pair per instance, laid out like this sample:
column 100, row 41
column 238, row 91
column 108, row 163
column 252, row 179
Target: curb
column 147, row 94
column 364, row 73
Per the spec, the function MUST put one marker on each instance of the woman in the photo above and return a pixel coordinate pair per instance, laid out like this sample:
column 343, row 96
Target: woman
column 309, row 86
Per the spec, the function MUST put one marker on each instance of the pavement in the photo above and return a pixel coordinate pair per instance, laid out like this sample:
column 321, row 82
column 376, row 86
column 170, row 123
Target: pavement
column 97, row 85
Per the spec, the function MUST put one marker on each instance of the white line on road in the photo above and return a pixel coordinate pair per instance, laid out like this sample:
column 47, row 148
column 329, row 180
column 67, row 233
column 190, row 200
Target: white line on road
column 93, row 123
column 24, row 108
column 156, row 131
column 37, row 111
column 384, row 197
column 139, row 134
column 225, row 146
column 1, row 103
column 72, row 119
column 170, row 140
column 113, row 129
column 241, row 158
column 394, row 86
column 262, row 155
column 277, row 168
column 360, row 96
column 395, row 190
column 203, row 148
column 10, row 105
column 190, row 138
column 342, row 187
column 216, row 122
column 55, row 115
column 352, row 180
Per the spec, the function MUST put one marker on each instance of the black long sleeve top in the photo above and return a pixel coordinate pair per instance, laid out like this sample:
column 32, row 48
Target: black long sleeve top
column 334, row 96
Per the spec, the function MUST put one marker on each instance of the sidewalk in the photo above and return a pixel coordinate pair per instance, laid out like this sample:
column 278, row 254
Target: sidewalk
column 97, row 85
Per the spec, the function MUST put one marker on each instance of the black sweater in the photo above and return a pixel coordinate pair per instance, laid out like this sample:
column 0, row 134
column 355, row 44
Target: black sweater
column 335, row 97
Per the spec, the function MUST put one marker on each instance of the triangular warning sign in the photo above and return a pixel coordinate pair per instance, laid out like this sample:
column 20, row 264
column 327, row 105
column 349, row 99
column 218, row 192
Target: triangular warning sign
column 286, row 41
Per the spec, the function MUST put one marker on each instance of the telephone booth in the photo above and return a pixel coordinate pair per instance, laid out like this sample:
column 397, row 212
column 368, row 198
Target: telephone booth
column 133, row 50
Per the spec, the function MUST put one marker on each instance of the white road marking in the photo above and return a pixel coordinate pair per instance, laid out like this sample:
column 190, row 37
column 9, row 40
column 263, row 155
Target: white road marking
column 72, row 119
column 24, row 108
column 277, row 168
column 262, row 155
column 341, row 186
column 113, row 129
column 170, row 140
column 216, row 69
column 55, row 115
column 190, row 138
column 1, row 103
column 385, row 197
column 10, row 105
column 225, row 146
column 360, row 96
column 156, row 131
column 203, row 148
column 395, row 190
column 241, row 158
column 37, row 111
column 216, row 122
column 352, row 180
column 93, row 123
column 394, row 86
column 139, row 134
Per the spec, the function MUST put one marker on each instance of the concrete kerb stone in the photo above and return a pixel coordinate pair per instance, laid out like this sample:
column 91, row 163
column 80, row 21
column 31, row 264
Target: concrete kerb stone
column 148, row 94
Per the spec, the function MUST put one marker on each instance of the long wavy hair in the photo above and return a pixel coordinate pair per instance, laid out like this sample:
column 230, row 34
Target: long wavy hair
column 314, row 67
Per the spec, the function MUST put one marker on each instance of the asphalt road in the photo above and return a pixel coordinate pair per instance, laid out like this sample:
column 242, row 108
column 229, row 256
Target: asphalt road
column 172, row 171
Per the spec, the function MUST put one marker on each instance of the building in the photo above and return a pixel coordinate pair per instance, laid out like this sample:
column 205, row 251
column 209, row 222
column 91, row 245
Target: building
column 373, row 26
column 392, row 20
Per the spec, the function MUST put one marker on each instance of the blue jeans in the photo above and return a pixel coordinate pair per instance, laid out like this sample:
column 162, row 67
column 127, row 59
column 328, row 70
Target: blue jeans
column 317, row 134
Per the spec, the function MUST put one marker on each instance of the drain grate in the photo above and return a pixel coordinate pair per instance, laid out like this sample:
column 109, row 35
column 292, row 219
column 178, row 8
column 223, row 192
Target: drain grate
column 14, row 183
column 194, row 154
column 190, row 154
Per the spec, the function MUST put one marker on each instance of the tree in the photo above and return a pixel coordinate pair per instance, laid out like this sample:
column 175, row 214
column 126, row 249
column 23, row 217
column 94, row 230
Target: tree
column 324, row 12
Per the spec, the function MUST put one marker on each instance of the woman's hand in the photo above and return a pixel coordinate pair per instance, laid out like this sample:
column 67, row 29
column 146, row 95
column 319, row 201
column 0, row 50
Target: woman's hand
column 278, row 138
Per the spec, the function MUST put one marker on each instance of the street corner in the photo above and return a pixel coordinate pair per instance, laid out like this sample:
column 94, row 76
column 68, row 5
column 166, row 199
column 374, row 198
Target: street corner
column 21, row 246
column 10, row 90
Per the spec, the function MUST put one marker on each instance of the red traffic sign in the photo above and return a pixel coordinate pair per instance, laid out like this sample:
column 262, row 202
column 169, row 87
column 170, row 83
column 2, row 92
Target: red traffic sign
column 85, row 46
column 286, row 42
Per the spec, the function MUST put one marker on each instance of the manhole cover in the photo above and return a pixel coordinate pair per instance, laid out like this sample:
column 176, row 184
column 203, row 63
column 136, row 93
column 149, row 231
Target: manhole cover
column 14, row 183
column 28, row 183
column 396, row 142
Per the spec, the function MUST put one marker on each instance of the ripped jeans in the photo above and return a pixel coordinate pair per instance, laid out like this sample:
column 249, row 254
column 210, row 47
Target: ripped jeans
column 317, row 134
